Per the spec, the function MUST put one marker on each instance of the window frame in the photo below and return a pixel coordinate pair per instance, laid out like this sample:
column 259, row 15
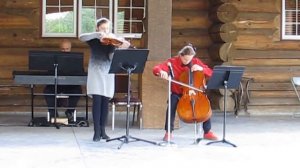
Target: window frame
column 128, row 35
column 80, row 15
column 284, row 36
column 45, row 34
column 77, row 8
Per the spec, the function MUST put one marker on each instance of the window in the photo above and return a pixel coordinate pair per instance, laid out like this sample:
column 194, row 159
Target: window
column 129, row 15
column 90, row 11
column 69, row 18
column 59, row 18
column 291, row 19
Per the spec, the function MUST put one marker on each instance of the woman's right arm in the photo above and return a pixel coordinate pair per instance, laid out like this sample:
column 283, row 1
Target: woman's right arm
column 89, row 36
column 161, row 70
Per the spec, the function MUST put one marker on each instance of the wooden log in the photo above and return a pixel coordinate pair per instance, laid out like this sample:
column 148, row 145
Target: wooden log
column 269, row 32
column 266, row 45
column 276, row 35
column 15, row 100
column 6, row 71
column 190, row 5
column 254, row 36
column 32, row 40
column 20, row 4
column 18, row 33
column 277, row 21
column 267, row 101
column 217, row 2
column 266, row 54
column 273, row 110
column 271, row 76
column 220, row 51
column 9, row 56
column 230, row 103
column 223, row 32
column 8, row 21
column 252, row 40
column 273, row 94
column 224, row 13
column 190, row 19
column 14, row 90
column 16, row 108
column 186, row 33
column 201, row 53
column 19, row 18
column 256, row 20
column 270, row 6
column 270, row 86
column 265, row 62
column 203, row 41
column 293, row 69
column 189, row 32
column 229, row 92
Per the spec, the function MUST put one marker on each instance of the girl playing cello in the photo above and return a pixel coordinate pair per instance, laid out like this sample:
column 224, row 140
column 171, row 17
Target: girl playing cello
column 181, row 63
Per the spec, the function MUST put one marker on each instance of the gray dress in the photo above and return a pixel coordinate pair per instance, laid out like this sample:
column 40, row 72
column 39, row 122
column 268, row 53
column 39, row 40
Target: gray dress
column 99, row 81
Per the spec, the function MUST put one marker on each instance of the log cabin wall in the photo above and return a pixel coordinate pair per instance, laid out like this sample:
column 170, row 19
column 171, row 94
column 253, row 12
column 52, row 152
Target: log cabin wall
column 192, row 23
column 223, row 33
column 20, row 29
column 270, row 61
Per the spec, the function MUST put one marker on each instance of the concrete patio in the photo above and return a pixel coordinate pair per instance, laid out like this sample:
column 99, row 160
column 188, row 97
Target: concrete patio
column 262, row 141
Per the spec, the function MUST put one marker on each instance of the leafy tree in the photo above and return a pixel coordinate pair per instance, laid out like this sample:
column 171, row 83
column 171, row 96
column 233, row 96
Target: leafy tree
column 61, row 24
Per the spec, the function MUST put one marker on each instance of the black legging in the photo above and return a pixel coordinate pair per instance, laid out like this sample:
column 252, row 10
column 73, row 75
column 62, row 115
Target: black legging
column 100, row 112
column 174, row 101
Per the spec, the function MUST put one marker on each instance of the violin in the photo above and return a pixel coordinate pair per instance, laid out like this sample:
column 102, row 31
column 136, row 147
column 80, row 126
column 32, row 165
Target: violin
column 193, row 108
column 111, row 41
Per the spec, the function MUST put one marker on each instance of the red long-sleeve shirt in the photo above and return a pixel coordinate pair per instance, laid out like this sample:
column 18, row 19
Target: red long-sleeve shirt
column 178, row 69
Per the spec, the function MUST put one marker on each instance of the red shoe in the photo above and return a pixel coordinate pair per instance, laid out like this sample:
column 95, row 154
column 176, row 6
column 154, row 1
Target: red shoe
column 210, row 136
column 166, row 136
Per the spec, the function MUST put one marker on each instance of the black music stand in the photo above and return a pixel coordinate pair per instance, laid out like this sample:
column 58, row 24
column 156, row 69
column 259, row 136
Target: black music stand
column 225, row 77
column 129, row 61
column 56, row 63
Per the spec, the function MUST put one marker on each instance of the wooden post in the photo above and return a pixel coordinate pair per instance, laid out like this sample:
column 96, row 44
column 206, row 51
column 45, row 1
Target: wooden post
column 158, row 41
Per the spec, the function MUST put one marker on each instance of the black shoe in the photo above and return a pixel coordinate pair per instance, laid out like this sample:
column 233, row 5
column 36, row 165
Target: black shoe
column 96, row 138
column 103, row 134
column 69, row 115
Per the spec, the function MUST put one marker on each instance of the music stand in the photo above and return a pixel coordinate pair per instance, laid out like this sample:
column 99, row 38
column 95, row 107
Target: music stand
column 58, row 63
column 128, row 61
column 225, row 77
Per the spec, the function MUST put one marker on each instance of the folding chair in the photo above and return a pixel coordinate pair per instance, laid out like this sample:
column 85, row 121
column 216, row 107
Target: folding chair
column 296, row 82
column 121, row 86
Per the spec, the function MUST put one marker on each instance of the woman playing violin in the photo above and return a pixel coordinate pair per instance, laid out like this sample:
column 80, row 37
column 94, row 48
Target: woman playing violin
column 100, row 84
column 180, row 64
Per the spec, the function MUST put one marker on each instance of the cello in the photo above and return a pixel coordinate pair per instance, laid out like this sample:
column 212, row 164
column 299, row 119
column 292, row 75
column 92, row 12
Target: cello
column 196, row 107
